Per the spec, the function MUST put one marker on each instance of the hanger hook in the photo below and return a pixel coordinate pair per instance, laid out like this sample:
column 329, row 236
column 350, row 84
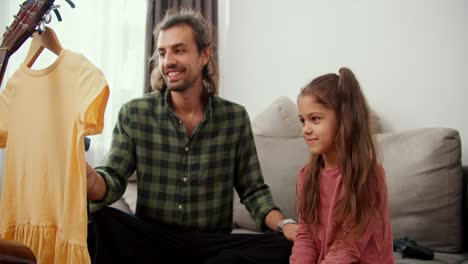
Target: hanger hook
column 70, row 3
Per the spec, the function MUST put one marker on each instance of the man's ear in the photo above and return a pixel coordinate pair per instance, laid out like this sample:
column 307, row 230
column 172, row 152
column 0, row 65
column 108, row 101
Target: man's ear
column 206, row 55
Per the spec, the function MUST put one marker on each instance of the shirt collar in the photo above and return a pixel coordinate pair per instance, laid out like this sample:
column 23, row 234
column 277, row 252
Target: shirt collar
column 167, row 104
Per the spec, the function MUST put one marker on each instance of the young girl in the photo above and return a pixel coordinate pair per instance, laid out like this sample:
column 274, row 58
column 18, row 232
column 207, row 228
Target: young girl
column 343, row 207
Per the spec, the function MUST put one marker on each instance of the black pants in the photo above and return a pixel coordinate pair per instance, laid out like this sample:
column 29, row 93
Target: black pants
column 116, row 237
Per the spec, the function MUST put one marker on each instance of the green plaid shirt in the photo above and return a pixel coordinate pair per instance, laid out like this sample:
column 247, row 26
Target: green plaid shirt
column 184, row 180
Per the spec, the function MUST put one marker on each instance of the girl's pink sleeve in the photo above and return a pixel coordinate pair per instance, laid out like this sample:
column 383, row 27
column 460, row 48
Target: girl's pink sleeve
column 351, row 252
column 304, row 249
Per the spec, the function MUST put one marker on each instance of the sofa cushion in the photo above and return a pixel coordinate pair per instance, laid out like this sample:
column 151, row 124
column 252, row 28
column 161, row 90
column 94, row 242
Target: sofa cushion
column 424, row 178
column 280, row 160
column 279, row 120
column 282, row 153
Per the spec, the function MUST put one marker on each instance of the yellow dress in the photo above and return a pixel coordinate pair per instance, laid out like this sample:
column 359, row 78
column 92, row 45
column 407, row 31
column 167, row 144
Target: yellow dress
column 44, row 115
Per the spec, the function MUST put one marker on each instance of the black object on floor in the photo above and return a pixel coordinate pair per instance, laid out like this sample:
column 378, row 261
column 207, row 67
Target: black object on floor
column 410, row 249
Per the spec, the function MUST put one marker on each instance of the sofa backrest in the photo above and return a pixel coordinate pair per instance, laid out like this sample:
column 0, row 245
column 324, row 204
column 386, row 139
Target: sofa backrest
column 424, row 179
column 423, row 172
column 282, row 152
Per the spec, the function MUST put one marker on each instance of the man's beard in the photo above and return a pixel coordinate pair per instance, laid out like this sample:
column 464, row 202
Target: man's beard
column 181, row 87
column 178, row 88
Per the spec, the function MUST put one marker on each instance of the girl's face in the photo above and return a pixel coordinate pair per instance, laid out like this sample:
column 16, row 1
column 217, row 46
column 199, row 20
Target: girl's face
column 319, row 125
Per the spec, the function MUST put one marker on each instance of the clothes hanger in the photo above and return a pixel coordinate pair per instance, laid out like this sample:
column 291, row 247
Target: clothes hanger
column 47, row 39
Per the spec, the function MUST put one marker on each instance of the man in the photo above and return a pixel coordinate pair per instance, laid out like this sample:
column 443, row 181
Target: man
column 189, row 149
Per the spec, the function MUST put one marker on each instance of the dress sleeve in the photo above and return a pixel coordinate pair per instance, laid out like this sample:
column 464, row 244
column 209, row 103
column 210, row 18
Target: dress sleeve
column 304, row 249
column 5, row 96
column 93, row 96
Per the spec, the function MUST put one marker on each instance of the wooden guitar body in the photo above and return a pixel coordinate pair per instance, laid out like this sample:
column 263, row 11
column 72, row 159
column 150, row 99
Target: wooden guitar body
column 12, row 252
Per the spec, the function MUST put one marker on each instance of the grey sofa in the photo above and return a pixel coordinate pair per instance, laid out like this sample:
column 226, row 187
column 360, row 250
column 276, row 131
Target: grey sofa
column 427, row 190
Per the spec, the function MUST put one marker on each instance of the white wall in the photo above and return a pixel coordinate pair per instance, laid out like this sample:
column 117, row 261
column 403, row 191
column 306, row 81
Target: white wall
column 411, row 56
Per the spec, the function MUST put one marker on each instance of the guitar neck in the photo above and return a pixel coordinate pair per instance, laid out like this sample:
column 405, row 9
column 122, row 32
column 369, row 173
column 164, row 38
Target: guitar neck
column 4, row 56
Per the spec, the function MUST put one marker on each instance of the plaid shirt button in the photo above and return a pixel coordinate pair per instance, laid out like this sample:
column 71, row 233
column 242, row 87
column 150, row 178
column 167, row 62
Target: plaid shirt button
column 180, row 207
column 186, row 149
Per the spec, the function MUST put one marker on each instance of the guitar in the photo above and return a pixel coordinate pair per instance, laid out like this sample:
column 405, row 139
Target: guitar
column 12, row 252
column 30, row 15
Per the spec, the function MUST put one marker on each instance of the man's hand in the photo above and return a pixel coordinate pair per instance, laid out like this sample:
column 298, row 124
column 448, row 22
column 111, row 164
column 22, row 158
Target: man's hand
column 91, row 177
column 274, row 218
column 289, row 231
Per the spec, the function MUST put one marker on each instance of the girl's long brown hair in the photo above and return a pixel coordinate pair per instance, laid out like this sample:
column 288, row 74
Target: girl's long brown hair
column 356, row 157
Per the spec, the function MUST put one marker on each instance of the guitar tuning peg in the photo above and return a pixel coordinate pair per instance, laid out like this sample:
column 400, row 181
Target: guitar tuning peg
column 40, row 28
column 47, row 17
